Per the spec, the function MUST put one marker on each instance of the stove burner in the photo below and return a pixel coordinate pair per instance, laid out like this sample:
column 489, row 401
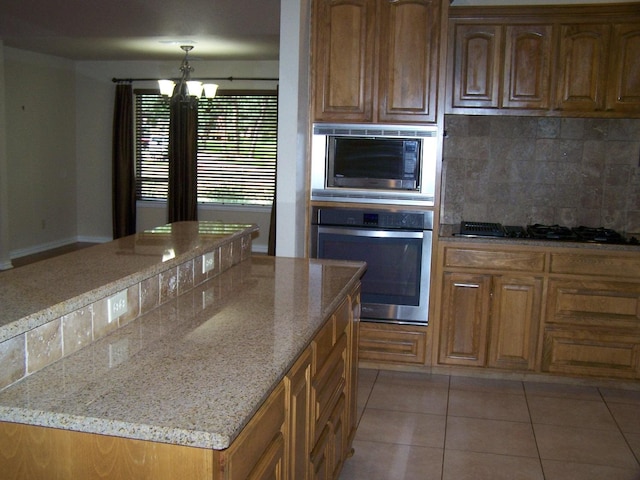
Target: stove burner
column 598, row 235
column 551, row 232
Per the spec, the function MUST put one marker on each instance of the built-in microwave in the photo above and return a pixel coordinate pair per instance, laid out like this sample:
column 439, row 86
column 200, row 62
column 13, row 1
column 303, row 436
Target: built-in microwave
column 374, row 163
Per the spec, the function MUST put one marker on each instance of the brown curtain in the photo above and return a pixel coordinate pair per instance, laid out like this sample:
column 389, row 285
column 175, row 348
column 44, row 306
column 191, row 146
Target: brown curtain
column 183, row 142
column 123, row 170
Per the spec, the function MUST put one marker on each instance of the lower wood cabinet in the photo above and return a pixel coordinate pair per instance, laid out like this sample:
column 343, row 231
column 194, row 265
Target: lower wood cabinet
column 304, row 430
column 489, row 320
column 569, row 311
column 382, row 343
column 593, row 328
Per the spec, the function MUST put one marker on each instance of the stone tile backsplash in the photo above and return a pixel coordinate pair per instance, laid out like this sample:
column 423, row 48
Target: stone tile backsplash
column 523, row 170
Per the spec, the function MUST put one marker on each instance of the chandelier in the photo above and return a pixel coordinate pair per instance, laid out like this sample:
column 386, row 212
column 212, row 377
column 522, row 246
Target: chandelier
column 188, row 90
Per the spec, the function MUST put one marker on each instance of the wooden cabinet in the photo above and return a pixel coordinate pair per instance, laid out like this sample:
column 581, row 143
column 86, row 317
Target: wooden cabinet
column 465, row 319
column 557, row 61
column 623, row 93
column 496, row 66
column 382, row 343
column 490, row 320
column 476, row 65
column 303, row 430
column 592, row 326
column 527, row 65
column 375, row 60
column 489, row 307
column 582, row 66
column 569, row 311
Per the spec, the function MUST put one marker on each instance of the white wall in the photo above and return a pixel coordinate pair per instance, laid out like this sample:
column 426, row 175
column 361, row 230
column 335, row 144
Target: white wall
column 40, row 151
column 293, row 128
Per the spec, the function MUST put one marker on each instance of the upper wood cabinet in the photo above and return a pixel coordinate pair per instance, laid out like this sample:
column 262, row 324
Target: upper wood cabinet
column 376, row 60
column 527, row 64
column 624, row 84
column 557, row 61
column 582, row 66
column 495, row 66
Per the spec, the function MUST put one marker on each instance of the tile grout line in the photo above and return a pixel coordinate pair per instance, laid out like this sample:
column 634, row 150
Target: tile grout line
column 626, row 440
column 533, row 430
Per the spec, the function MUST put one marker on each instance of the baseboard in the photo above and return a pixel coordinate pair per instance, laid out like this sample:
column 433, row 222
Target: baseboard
column 86, row 239
column 43, row 247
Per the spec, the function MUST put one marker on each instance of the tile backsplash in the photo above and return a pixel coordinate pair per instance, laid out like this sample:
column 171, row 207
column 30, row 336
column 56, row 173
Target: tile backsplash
column 523, row 170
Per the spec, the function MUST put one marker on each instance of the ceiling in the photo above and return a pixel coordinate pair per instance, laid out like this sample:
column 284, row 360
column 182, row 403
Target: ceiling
column 143, row 29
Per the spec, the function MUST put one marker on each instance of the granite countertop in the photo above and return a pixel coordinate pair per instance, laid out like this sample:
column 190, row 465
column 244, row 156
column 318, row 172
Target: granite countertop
column 450, row 233
column 34, row 294
column 193, row 371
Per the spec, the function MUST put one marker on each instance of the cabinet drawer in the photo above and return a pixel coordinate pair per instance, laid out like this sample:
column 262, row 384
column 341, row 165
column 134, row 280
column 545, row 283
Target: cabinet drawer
column 260, row 443
column 397, row 344
column 595, row 303
column 591, row 352
column 613, row 264
column 518, row 260
column 323, row 344
column 328, row 384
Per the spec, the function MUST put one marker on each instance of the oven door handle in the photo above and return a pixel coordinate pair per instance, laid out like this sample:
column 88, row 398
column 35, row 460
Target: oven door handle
column 360, row 232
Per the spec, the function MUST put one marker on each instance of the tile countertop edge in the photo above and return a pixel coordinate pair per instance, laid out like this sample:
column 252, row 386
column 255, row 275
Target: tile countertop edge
column 116, row 428
column 39, row 318
column 182, row 435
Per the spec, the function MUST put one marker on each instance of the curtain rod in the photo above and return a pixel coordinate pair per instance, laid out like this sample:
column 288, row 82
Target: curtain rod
column 231, row 79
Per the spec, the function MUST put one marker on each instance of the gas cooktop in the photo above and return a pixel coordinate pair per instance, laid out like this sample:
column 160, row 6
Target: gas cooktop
column 545, row 232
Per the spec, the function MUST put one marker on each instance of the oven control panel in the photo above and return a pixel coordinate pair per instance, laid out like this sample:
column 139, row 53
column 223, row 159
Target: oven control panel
column 396, row 220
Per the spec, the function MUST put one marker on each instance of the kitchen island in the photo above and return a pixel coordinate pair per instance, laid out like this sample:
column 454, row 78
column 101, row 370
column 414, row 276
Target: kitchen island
column 210, row 384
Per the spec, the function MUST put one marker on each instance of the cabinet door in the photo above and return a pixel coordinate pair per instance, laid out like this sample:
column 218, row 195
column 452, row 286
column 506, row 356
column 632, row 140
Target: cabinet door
column 343, row 64
column 298, row 382
column 476, row 66
column 465, row 317
column 527, row 67
column 582, row 67
column 515, row 318
column 408, row 68
column 624, row 82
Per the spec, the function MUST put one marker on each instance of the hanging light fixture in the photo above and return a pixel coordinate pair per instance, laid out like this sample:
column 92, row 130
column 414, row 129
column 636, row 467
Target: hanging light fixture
column 188, row 90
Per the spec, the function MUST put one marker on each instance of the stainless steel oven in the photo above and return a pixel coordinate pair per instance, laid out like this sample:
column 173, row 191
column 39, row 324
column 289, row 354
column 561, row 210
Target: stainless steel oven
column 396, row 244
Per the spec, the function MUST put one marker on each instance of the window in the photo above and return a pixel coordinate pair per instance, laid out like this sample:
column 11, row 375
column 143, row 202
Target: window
column 237, row 134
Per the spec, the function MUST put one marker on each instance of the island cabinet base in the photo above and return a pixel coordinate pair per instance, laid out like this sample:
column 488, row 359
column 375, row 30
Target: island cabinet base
column 302, row 431
column 39, row 453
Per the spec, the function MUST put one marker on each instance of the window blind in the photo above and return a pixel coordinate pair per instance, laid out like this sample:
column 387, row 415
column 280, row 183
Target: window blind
column 237, row 146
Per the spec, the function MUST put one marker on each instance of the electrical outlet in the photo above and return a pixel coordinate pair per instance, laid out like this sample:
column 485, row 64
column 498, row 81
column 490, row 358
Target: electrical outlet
column 208, row 262
column 117, row 305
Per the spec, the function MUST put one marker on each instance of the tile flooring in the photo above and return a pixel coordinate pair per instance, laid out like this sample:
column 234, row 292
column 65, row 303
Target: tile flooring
column 437, row 427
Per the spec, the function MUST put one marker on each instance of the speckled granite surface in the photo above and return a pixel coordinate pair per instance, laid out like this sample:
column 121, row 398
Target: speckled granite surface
column 193, row 371
column 32, row 295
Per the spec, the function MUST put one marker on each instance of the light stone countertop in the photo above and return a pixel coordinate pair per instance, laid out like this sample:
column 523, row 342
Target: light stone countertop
column 193, row 371
column 34, row 294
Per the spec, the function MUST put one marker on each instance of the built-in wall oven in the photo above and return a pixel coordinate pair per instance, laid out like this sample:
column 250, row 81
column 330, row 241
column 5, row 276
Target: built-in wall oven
column 396, row 244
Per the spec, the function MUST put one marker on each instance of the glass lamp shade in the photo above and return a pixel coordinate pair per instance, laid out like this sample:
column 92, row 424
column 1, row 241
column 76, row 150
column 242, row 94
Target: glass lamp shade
column 194, row 88
column 166, row 87
column 210, row 90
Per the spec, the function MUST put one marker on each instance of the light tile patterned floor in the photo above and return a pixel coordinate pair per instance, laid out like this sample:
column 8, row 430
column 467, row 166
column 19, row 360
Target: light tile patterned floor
column 416, row 426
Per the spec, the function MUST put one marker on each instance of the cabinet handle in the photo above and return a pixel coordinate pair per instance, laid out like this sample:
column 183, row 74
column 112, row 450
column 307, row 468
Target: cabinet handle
column 467, row 285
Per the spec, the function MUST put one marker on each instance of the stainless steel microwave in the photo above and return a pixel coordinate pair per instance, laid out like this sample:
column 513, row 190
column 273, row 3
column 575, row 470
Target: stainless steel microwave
column 373, row 163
